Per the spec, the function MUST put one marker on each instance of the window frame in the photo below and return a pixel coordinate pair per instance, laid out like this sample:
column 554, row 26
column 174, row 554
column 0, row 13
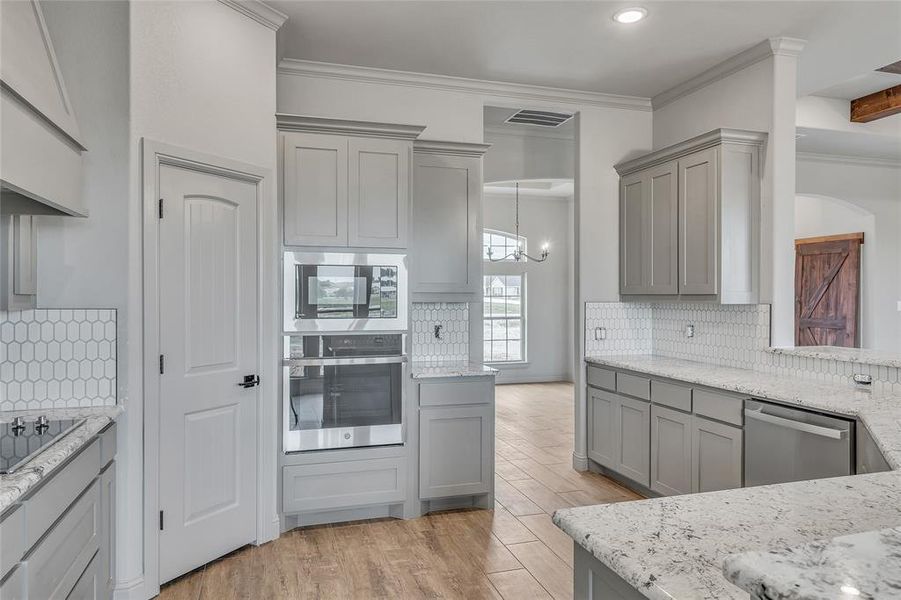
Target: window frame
column 506, row 268
column 508, row 236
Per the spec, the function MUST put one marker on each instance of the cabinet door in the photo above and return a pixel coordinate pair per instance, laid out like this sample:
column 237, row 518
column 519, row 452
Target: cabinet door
column 633, row 437
column 716, row 456
column 315, row 189
column 106, row 557
column 698, row 223
column 378, row 192
column 670, row 451
column 661, row 236
column 446, row 221
column 631, row 234
column 456, row 453
column 602, row 427
column 90, row 586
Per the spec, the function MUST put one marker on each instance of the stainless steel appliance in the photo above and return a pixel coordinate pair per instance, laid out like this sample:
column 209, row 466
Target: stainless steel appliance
column 22, row 441
column 338, row 292
column 343, row 391
column 789, row 444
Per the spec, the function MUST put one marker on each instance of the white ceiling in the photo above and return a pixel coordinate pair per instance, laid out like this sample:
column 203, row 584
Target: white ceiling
column 495, row 118
column 861, row 145
column 577, row 45
column 861, row 85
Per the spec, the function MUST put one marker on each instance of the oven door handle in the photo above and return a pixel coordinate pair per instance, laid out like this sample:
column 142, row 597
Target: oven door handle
column 333, row 362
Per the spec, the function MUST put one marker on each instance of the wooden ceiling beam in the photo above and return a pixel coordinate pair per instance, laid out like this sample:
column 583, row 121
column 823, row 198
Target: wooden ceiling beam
column 876, row 105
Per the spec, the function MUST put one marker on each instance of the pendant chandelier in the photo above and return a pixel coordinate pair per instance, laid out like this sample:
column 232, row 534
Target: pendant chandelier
column 519, row 252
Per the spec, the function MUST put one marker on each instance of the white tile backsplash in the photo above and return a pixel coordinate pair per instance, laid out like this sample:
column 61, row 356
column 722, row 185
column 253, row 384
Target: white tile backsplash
column 57, row 358
column 731, row 336
column 453, row 345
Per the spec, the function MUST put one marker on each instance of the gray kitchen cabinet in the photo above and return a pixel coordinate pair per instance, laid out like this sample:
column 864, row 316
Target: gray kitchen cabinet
column 716, row 455
column 106, row 557
column 344, row 484
column 601, row 427
column 671, row 465
column 90, row 585
column 455, row 451
column 632, row 420
column 690, row 219
column 315, row 189
column 18, row 265
column 698, row 231
column 446, row 259
column 378, row 195
column 345, row 183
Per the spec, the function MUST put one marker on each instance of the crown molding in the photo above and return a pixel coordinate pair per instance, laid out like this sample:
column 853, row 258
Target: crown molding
column 780, row 46
column 538, row 132
column 695, row 144
column 450, row 148
column 518, row 91
column 863, row 161
column 289, row 122
column 259, row 11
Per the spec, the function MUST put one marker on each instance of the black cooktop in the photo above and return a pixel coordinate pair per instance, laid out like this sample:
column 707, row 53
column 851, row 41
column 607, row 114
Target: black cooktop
column 20, row 442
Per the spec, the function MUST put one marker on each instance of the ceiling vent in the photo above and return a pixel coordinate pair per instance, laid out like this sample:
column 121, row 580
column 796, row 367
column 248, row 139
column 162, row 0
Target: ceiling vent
column 541, row 118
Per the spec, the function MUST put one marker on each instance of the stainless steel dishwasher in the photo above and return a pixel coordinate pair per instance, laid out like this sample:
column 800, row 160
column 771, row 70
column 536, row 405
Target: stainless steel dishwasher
column 789, row 444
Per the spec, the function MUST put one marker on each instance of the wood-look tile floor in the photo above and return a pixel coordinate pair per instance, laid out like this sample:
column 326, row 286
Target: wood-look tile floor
column 513, row 552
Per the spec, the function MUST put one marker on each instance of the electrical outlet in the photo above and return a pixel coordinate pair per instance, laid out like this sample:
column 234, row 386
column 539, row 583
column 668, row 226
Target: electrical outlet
column 438, row 329
column 600, row 333
column 689, row 331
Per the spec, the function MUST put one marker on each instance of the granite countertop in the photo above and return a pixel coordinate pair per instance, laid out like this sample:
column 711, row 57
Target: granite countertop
column 17, row 484
column 854, row 355
column 435, row 370
column 675, row 547
column 863, row 565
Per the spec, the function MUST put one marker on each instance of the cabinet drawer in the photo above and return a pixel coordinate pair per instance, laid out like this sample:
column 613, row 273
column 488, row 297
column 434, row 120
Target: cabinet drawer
column 668, row 394
column 632, row 385
column 12, row 540
column 55, row 564
column 719, row 406
column 52, row 499
column 601, row 378
column 350, row 484
column 108, row 445
column 470, row 391
column 14, row 586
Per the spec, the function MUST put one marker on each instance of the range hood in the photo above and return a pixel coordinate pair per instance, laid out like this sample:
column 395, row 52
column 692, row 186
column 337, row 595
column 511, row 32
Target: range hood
column 40, row 152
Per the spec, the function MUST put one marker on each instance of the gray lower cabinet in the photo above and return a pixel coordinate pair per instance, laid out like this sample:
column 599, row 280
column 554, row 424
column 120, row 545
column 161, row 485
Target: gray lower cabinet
column 592, row 580
column 632, row 420
column 58, row 541
column 670, row 451
column 716, row 455
column 455, row 457
column 344, row 484
column 601, row 429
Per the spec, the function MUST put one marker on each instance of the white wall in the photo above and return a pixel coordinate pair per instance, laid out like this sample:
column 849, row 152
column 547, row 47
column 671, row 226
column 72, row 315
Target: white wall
column 517, row 156
column 202, row 77
column 836, row 197
column 549, row 330
column 759, row 97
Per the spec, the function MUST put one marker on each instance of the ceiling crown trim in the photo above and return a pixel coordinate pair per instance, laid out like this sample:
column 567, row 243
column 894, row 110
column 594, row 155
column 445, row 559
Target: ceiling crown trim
column 519, row 91
column 865, row 161
column 259, row 11
column 781, row 46
column 309, row 124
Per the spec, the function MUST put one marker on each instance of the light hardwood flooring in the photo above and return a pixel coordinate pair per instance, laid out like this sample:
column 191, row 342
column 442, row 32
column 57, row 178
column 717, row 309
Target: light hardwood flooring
column 513, row 552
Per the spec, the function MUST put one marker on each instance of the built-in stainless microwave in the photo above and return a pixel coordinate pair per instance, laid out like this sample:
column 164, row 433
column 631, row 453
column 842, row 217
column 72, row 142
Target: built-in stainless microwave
column 344, row 292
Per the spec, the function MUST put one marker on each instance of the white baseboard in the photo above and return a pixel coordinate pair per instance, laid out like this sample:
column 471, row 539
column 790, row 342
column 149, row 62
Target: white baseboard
column 580, row 462
column 131, row 590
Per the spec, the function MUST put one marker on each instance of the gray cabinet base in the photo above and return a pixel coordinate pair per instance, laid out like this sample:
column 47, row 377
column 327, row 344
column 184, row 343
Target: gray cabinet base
column 594, row 581
column 622, row 480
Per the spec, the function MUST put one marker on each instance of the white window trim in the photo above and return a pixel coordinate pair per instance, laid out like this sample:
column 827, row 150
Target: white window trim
column 524, row 286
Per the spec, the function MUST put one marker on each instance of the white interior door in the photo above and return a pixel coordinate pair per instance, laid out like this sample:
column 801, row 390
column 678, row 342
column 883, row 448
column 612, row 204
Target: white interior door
column 208, row 341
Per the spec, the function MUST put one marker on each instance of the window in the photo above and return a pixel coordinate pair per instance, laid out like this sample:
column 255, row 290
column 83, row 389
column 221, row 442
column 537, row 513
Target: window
column 504, row 318
column 501, row 244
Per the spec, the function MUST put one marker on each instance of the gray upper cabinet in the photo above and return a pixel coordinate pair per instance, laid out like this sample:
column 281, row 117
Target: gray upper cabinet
column 447, row 218
column 690, row 219
column 670, row 451
column 716, row 456
column 315, row 190
column 345, row 183
column 378, row 192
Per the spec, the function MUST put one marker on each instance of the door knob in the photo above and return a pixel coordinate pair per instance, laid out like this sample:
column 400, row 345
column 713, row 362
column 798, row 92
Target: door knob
column 250, row 381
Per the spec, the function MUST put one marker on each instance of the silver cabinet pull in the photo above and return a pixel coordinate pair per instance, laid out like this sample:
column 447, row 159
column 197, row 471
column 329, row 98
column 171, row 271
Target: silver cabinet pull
column 757, row 415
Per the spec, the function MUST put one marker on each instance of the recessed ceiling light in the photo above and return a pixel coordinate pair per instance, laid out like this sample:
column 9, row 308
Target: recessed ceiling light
column 850, row 590
column 630, row 15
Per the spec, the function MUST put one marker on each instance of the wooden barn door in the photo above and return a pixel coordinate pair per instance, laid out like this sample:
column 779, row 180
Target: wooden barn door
column 827, row 290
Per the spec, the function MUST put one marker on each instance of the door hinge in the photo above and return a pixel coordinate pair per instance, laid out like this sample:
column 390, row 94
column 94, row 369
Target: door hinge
column 161, row 520
column 162, row 364
column 161, row 208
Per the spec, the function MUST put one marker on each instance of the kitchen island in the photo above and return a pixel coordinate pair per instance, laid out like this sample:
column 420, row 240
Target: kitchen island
column 676, row 547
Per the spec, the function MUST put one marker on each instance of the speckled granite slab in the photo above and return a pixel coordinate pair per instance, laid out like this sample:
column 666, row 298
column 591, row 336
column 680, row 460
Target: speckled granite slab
column 855, row 355
column 881, row 413
column 27, row 476
column 863, row 565
column 675, row 547
column 435, row 370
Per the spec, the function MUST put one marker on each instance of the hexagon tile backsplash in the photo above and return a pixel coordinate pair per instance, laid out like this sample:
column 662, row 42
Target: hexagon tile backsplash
column 57, row 358
column 453, row 345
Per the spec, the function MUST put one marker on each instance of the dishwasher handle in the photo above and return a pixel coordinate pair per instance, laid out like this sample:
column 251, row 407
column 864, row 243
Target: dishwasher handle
column 828, row 432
